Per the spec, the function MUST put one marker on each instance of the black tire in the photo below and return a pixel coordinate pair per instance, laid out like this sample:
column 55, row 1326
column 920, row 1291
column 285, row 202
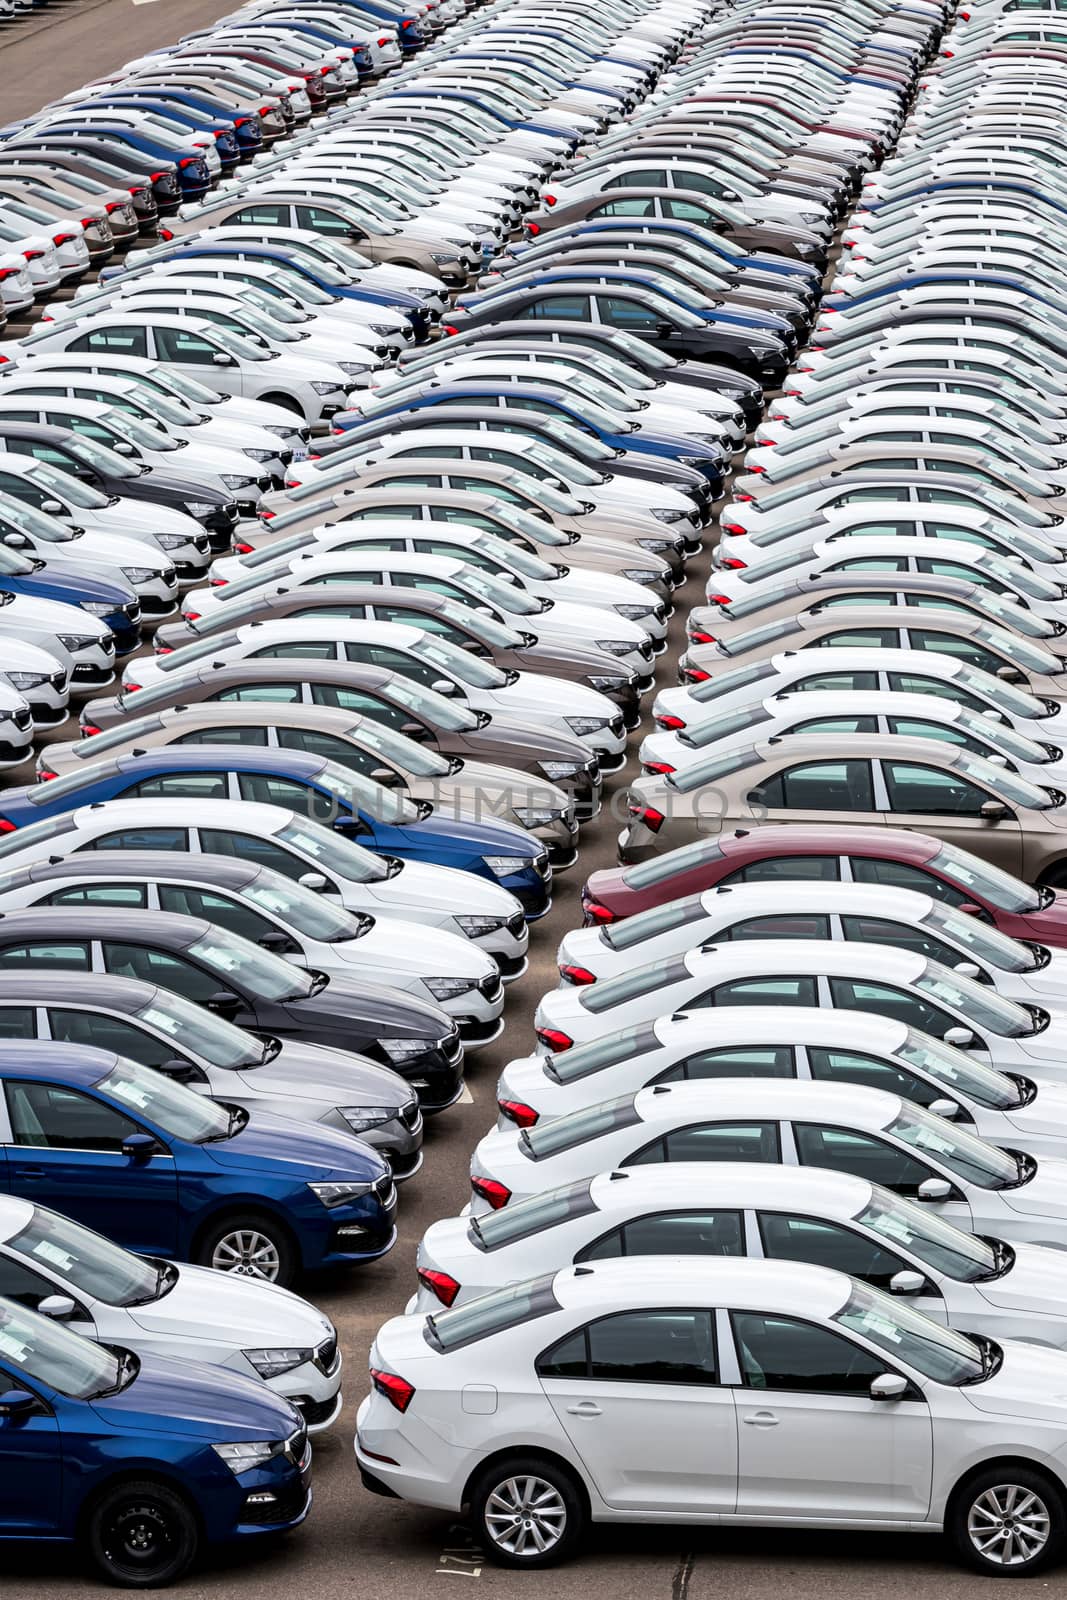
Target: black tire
column 1008, row 1521
column 141, row 1535
column 286, row 402
column 548, row 1490
column 253, row 1243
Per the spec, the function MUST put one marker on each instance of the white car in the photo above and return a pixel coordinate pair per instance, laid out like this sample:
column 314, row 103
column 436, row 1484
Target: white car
column 785, row 1042
column 319, row 858
column 610, row 1404
column 788, row 672
column 818, row 909
column 813, row 972
column 779, row 1213
column 148, row 570
column 553, row 703
column 83, row 645
column 172, row 1309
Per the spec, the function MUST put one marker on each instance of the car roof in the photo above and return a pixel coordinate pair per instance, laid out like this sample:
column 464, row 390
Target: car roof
column 776, row 1099
column 72, row 1063
column 838, row 839
column 805, row 956
column 735, row 1184
column 110, row 993
column 772, row 1025
column 761, row 899
column 99, row 922
column 735, row 1281
column 220, row 871
column 250, row 816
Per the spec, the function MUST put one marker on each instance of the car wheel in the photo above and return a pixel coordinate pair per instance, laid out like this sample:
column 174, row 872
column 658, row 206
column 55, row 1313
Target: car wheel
column 141, row 1535
column 1009, row 1522
column 250, row 1246
column 527, row 1512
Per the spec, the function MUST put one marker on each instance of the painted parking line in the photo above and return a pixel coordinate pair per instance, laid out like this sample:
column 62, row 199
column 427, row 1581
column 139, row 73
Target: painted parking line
column 466, row 1098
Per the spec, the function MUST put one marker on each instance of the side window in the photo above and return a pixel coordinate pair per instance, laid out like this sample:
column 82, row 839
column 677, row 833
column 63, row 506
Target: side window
column 787, row 1354
column 567, row 307
column 181, row 786
column 263, row 215
column 834, row 681
column 286, row 694
column 321, row 221
column 381, row 655
column 791, row 925
column 626, row 208
column 108, row 1033
column 714, row 1141
column 921, row 683
column 329, row 745
column 961, row 649
column 859, row 638
column 777, row 869
column 47, row 1116
column 141, row 839
column 638, row 1347
column 899, row 875
column 688, row 211
column 785, row 991
column 352, row 700
column 246, row 847
column 901, row 935
column 903, row 1005
column 847, row 1150
column 672, row 1233
column 915, row 791
column 618, row 312
column 132, row 895
column 836, row 725
column 181, row 344
column 820, row 786
column 849, row 1066
column 120, row 341
column 17, row 1022
column 310, row 650
column 758, row 1061
column 72, row 957
column 273, row 791
column 159, row 966
column 827, row 1244
column 19, row 1283
column 235, row 735
column 220, row 909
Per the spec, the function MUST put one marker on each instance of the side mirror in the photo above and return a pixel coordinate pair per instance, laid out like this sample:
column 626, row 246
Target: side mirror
column 443, row 686
column 312, row 880
column 664, row 330
column 384, row 775
column 907, row 1282
column 139, row 1148
column 967, row 969
column 993, row 811
column 122, row 447
column 962, row 1038
column 935, row 1191
column 181, row 1071
column 221, row 359
column 350, row 824
column 889, row 1386
column 944, row 1108
column 225, row 1002
column 57, row 1306
column 1010, row 675
column 16, row 1405
column 16, row 541
column 275, row 940
column 969, row 909
column 416, row 731
column 55, row 508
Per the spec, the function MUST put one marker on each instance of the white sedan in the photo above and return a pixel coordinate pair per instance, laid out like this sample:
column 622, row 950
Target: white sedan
column 610, row 1404
column 164, row 1308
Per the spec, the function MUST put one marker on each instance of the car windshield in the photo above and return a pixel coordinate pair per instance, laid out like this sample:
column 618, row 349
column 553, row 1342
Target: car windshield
column 574, row 440
column 66, row 487
column 537, row 1214
column 1002, row 736
column 969, row 1158
column 977, row 1004
column 101, row 457
column 54, row 1356
column 507, row 597
column 986, row 882
column 1017, row 617
column 199, row 1032
column 979, row 939
column 961, row 1073
column 89, row 1264
column 235, row 344
column 178, row 1111
column 265, row 975
column 171, row 381
column 578, row 1127
column 138, row 432
column 365, row 794
column 940, row 1354
column 458, row 663
column 18, row 517
column 944, row 1249
column 1005, row 783
column 342, row 856
column 396, row 750
column 567, row 467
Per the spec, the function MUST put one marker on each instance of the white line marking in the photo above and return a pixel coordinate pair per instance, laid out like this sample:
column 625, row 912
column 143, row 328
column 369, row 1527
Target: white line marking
column 466, row 1098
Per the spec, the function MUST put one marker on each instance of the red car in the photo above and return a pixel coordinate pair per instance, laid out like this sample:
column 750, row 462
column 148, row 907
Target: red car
column 893, row 856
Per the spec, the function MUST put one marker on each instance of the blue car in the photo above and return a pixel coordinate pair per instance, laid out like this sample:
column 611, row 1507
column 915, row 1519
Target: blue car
column 755, row 266
column 194, row 176
column 383, row 820
column 140, row 1461
column 164, row 1171
column 201, row 119
column 973, row 278
column 114, row 602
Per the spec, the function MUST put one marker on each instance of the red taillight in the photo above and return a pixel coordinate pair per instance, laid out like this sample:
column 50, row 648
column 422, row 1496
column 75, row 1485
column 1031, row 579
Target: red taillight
column 63, row 238
column 191, row 616
column 88, row 729
column 732, row 527
column 793, row 394
column 523, row 1116
column 293, row 483
column 217, row 583
column 694, row 675
column 657, row 769
column 89, row 222
column 652, row 819
column 495, row 1195
column 243, row 549
column 756, row 470
column 398, row 1391
column 382, row 43
column 7, row 826
column 669, row 724
column 189, row 161
column 8, row 272
column 46, row 775
column 449, row 330
column 764, row 441
column 114, row 205
column 268, row 516
column 549, row 199
column 164, row 649
column 165, row 233
column 576, row 975
column 439, row 1283
column 698, row 636
column 554, row 1040
column 734, row 563
column 265, row 111
column 33, row 255
column 746, row 499
column 532, row 228
column 239, row 122
column 406, row 23
column 593, row 911
column 154, row 177
column 130, row 688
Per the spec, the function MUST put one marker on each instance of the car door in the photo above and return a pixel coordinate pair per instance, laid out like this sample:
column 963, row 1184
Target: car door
column 31, row 1457
column 943, row 802
column 879, row 1160
column 639, row 1396
column 811, row 1441
column 193, row 982
column 807, row 790
column 64, row 1150
column 787, row 1236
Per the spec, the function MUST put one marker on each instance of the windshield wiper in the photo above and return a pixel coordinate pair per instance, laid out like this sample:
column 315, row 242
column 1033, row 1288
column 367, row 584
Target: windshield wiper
column 1003, row 1259
column 271, row 1049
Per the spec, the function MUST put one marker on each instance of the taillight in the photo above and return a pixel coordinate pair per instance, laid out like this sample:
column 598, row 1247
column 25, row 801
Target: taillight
column 449, row 330
column 267, row 516
column 734, row 563
column 382, row 43
column 239, row 122
column 8, row 272
column 532, row 228
column 46, row 775
column 114, row 205
column 189, row 161
column 554, row 1040
column 523, row 1116
column 165, row 233
column 63, row 238
column 756, row 469
column 130, row 688
column 89, row 222
column 593, row 911
column 191, row 616
column 398, row 1391
column 243, row 549
column 698, row 636
column 652, row 819
column 576, row 975
column 217, row 583
column 764, row 441
column 732, row 527
column 669, row 724
column 694, row 675
column 7, row 826
column 164, row 649
column 495, row 1195
column 658, row 769
column 33, row 255
column 406, row 23
column 439, row 1283
column 88, row 729
column 549, row 199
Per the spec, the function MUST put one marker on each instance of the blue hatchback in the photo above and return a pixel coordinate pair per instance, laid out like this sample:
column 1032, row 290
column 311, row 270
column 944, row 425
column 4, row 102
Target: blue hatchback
column 114, row 602
column 139, row 1460
column 384, row 820
column 164, row 1171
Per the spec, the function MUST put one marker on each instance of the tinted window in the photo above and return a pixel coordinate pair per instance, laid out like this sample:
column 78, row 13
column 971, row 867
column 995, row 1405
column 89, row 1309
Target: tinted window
column 886, row 1000
column 820, row 786
column 258, row 852
column 827, row 1244
column 850, row 1066
column 899, row 875
column 141, row 839
column 46, row 1116
column 120, row 341
column 715, row 1141
column 109, row 1033
column 785, row 1353
column 237, row 735
column 763, row 992
column 71, row 957
column 159, row 966
column 181, row 786
column 818, row 869
column 99, row 894
column 791, row 925
column 848, row 1150
column 672, row 1233
column 915, row 790
column 758, row 1061
column 638, row 1347
column 288, row 694
column 220, row 909
column 273, row 791
column 17, row 1022
column 901, row 936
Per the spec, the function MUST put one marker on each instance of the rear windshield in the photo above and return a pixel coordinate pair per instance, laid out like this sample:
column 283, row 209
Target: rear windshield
column 535, row 1215
column 635, row 983
column 687, row 859
column 579, row 1127
column 492, row 1313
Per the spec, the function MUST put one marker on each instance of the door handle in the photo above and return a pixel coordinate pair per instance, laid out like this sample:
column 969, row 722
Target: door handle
column 29, row 1172
column 760, row 1419
column 585, row 1408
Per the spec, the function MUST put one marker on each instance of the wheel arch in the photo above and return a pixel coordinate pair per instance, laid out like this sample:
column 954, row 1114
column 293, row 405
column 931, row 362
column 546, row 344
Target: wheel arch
column 1009, row 1461
column 537, row 1452
column 136, row 1472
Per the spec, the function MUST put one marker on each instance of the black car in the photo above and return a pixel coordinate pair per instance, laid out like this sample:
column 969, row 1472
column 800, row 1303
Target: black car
column 108, row 473
column 246, row 985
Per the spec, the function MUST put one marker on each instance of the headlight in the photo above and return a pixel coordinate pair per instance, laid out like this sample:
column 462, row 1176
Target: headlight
column 584, row 725
column 442, row 260
column 195, row 508
column 282, row 433
column 75, row 642
column 100, row 608
column 605, row 685
column 352, row 369
column 640, row 575
column 338, row 1194
column 383, row 330
column 565, row 769
column 405, row 1049
column 26, row 680
column 243, row 1457
column 475, row 927
column 362, row 1118
column 654, row 546
column 262, row 455
column 536, row 819
column 271, row 1364
column 616, row 647
column 662, row 515
column 326, row 388
column 634, row 613
column 448, row 988
column 232, row 481
column 137, row 575
column 504, row 866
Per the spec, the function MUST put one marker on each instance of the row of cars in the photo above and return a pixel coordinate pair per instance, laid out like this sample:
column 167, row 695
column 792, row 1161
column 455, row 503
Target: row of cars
column 854, row 1182
column 254, row 919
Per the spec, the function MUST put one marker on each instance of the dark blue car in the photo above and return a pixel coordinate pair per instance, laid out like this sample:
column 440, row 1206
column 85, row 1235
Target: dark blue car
column 384, row 820
column 138, row 1460
column 114, row 602
column 194, row 176
column 164, row 1171
column 755, row 266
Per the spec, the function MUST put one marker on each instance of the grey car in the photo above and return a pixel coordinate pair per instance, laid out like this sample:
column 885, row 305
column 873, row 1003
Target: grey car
column 162, row 1030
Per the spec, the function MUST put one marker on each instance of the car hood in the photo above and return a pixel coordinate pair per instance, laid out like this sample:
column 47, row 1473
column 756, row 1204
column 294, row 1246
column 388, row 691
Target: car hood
column 430, row 952
column 195, row 1401
column 1046, row 1193
column 1032, row 1382
column 531, row 690
column 1033, row 1284
column 233, row 1310
column 302, row 1151
column 388, row 1013
column 480, row 838
column 419, row 886
column 129, row 516
column 314, row 1073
